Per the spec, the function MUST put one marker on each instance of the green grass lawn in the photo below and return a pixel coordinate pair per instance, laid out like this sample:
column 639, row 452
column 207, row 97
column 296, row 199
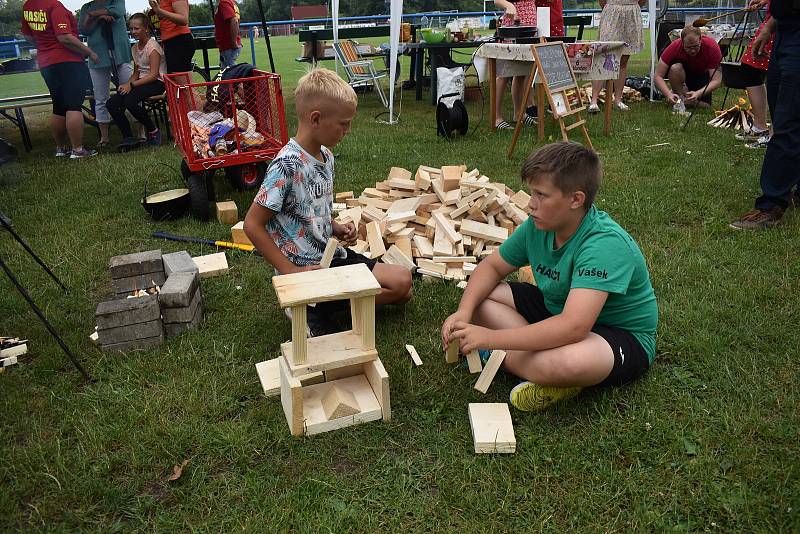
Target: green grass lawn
column 707, row 440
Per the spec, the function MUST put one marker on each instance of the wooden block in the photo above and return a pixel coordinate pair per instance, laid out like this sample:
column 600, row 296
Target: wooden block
column 94, row 337
column 375, row 239
column 135, row 264
column 399, row 217
column 451, row 355
column 428, row 265
column 269, row 375
column 455, row 273
column 374, row 202
column 227, row 212
column 424, row 246
column 238, row 235
column 343, row 372
column 382, row 186
column 484, row 231
column 339, row 402
column 353, row 215
column 378, row 380
column 488, row 373
column 422, row 179
column 7, row 362
column 398, row 173
column 395, row 256
column 478, row 248
column 371, row 213
column 492, row 429
column 314, row 419
column 366, row 306
column 329, row 352
column 327, row 255
column 299, row 345
column 374, row 193
column 458, row 212
column 468, row 268
column 343, row 196
column 15, row 351
column 414, row 356
column 404, row 244
column 474, row 362
column 404, row 204
column 211, row 264
column 291, row 399
column 442, row 246
column 447, row 227
column 403, row 184
column 438, row 188
column 521, row 199
column 451, row 177
column 452, row 197
column 360, row 246
column 453, row 259
column 336, row 283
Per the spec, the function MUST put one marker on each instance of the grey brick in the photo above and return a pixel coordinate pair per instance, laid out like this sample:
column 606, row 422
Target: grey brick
column 131, row 332
column 122, row 312
column 134, row 345
column 178, row 290
column 144, row 281
column 179, row 262
column 136, row 264
column 183, row 314
column 174, row 329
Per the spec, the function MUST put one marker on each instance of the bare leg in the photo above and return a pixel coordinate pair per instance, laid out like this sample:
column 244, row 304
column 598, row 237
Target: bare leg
column 59, row 126
column 758, row 99
column 677, row 80
column 103, row 126
column 517, row 93
column 502, row 83
column 585, row 363
column 596, row 85
column 619, row 85
column 74, row 123
column 395, row 284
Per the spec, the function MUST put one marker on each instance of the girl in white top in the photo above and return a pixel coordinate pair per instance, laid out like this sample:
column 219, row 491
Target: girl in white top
column 147, row 80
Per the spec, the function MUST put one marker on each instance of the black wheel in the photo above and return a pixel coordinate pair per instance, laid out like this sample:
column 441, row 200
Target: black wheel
column 198, row 196
column 185, row 170
column 246, row 177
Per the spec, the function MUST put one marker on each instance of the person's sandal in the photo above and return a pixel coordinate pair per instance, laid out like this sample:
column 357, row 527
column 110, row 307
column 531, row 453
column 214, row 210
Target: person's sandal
column 503, row 125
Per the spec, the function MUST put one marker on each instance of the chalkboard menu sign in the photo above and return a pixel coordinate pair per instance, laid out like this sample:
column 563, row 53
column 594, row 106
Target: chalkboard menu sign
column 552, row 59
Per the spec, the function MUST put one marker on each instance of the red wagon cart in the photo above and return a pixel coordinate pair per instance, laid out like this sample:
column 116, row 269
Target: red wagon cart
column 237, row 125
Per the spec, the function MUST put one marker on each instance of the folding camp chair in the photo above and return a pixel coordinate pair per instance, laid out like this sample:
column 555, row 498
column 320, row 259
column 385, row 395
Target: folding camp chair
column 359, row 71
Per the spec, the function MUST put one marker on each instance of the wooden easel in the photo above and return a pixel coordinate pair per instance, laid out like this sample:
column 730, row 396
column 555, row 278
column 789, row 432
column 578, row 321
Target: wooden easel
column 556, row 80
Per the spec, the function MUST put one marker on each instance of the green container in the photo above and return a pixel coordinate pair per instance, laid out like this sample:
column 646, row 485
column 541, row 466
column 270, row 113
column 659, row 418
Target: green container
column 432, row 36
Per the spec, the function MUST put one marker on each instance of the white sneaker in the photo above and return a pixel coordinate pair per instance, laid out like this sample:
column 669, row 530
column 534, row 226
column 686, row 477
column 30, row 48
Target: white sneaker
column 622, row 106
column 761, row 142
column 751, row 134
column 594, row 108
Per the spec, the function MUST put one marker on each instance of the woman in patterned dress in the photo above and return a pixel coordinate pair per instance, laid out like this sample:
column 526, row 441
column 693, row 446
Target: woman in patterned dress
column 621, row 20
column 521, row 12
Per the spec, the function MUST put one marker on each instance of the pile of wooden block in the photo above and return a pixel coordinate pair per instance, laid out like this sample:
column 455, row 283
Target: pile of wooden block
column 10, row 349
column 439, row 222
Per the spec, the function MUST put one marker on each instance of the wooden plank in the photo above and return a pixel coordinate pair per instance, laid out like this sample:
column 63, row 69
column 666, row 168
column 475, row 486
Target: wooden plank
column 438, row 188
column 454, row 259
column 428, row 265
column 375, row 239
column 400, row 217
column 451, row 355
column 269, row 375
column 442, row 246
column 401, row 183
column 211, row 264
column 414, row 356
column 315, row 421
column 378, row 379
column 344, row 195
column 404, row 204
column 447, row 227
column 451, row 177
column 344, row 372
column 291, row 399
column 474, row 362
column 398, row 173
column 367, row 307
column 489, row 372
column 330, row 351
column 299, row 323
column 404, row 244
column 371, row 213
column 330, row 250
column 395, row 256
column 336, row 283
column 484, row 231
column 492, row 429
column 521, row 199
column 424, row 246
column 452, row 197
column 422, row 179
column 227, row 212
column 375, row 203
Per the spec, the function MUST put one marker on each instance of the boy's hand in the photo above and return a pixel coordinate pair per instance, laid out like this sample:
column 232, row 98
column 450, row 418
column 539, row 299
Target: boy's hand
column 471, row 337
column 449, row 323
column 345, row 233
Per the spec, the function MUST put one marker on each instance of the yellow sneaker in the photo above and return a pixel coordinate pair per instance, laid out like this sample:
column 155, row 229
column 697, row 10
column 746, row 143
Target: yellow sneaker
column 530, row 397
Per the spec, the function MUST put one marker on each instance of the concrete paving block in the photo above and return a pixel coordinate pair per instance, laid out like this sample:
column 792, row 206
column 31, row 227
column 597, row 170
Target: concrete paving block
column 122, row 312
column 179, row 289
column 174, row 329
column 136, row 264
column 183, row 314
column 137, row 344
column 131, row 332
column 178, row 262
column 143, row 281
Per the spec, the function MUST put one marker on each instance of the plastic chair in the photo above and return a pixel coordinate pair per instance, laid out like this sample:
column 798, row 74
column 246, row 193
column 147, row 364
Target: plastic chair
column 359, row 71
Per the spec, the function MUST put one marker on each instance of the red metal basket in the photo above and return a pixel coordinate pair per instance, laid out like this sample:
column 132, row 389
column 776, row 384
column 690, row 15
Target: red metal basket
column 227, row 122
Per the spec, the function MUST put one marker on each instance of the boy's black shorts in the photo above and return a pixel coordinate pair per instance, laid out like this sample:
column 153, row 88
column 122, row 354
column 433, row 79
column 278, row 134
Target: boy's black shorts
column 630, row 358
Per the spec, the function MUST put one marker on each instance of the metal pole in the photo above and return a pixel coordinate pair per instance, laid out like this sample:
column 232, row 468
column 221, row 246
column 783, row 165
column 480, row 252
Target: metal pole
column 32, row 253
column 265, row 29
column 44, row 320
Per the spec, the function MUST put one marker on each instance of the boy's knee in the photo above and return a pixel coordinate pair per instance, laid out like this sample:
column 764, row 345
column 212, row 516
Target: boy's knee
column 404, row 284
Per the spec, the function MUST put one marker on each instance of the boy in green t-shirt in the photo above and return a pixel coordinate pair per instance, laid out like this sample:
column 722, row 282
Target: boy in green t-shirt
column 591, row 319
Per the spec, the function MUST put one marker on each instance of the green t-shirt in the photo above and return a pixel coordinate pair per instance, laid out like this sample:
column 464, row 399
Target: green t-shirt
column 96, row 40
column 602, row 256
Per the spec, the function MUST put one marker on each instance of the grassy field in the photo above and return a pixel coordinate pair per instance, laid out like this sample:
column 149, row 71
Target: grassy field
column 706, row 441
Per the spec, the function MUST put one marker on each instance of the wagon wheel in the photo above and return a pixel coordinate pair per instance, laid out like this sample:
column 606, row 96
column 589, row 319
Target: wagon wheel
column 198, row 196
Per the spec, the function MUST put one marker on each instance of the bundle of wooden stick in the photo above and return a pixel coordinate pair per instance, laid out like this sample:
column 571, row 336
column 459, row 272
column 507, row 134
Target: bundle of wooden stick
column 738, row 117
column 629, row 94
column 439, row 222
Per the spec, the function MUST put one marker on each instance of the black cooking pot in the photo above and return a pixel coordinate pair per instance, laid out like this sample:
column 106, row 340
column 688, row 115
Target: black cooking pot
column 167, row 205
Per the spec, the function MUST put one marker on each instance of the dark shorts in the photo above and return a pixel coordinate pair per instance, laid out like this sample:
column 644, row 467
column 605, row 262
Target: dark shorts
column 751, row 76
column 695, row 82
column 68, row 83
column 630, row 358
column 352, row 258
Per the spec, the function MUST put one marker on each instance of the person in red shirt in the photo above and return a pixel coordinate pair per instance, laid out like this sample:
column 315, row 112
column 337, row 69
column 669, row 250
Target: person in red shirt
column 692, row 65
column 60, row 55
column 176, row 37
column 226, row 32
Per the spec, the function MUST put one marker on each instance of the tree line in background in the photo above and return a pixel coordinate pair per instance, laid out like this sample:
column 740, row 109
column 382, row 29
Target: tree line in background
column 200, row 13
